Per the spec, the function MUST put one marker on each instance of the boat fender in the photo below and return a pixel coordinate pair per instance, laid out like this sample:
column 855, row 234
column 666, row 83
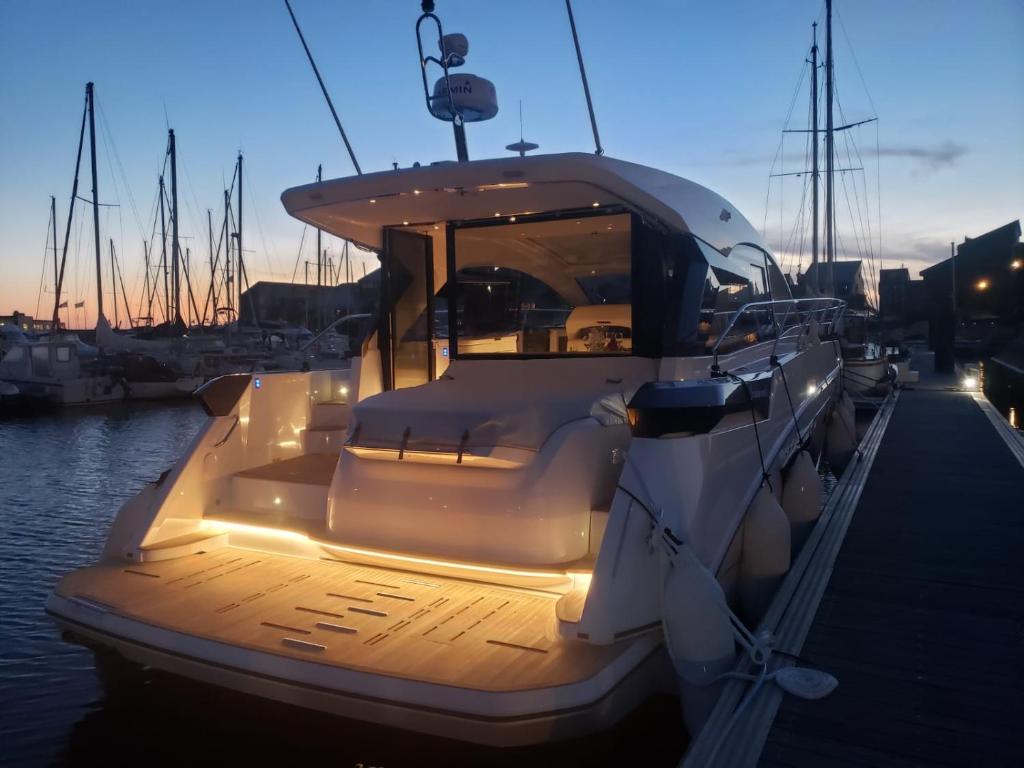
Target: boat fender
column 801, row 498
column 841, row 440
column 698, row 635
column 766, row 555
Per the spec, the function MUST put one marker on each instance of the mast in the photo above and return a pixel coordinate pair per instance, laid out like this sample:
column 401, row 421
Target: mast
column 147, row 290
column 90, row 99
column 163, row 251
column 213, row 269
column 53, row 217
column 113, row 284
column 229, row 286
column 241, row 262
column 175, row 256
column 814, row 155
column 830, row 223
column 319, row 257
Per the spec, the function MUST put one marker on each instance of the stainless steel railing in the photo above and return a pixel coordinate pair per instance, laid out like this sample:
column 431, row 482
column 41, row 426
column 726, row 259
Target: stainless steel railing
column 826, row 311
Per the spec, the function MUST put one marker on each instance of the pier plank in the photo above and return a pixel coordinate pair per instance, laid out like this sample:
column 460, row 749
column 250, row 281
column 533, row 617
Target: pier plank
column 923, row 617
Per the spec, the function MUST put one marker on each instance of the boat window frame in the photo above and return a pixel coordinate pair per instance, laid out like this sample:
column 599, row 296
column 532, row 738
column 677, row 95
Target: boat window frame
column 451, row 228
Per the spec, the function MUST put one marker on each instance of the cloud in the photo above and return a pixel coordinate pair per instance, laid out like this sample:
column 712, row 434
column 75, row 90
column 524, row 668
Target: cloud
column 944, row 155
column 928, row 158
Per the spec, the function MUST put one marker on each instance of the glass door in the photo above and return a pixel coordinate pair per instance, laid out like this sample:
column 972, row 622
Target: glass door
column 407, row 326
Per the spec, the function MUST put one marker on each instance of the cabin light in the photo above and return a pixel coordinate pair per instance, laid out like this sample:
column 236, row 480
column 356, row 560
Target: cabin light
column 595, row 204
column 982, row 285
column 970, row 382
column 405, row 223
column 343, row 390
column 416, row 192
column 1016, row 264
column 503, row 185
column 372, row 201
column 512, row 219
column 1012, row 417
column 497, row 214
column 277, row 500
column 811, row 389
column 436, row 227
column 578, row 221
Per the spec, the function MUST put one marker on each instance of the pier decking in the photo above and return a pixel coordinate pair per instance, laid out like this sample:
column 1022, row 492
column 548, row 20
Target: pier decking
column 922, row 618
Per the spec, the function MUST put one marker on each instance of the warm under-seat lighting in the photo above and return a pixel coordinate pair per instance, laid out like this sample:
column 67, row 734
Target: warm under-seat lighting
column 970, row 382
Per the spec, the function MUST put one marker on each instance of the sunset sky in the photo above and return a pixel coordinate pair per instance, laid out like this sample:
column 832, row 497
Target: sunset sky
column 700, row 89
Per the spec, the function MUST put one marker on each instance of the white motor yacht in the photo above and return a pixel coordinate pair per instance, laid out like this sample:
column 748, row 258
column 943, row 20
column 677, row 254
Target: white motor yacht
column 465, row 533
column 567, row 470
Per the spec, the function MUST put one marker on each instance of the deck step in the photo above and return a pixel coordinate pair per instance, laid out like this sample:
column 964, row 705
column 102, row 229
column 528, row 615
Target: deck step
column 331, row 415
column 294, row 488
column 324, row 440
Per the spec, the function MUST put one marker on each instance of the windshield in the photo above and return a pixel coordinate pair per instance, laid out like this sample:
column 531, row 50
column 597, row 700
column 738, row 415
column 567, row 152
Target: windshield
column 557, row 287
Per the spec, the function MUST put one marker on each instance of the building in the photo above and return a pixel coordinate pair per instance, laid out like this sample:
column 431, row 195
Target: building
column 976, row 297
column 26, row 323
column 848, row 281
column 309, row 306
column 901, row 301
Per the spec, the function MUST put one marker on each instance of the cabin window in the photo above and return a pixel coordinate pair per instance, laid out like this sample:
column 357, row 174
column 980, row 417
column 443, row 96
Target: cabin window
column 544, row 287
column 63, row 354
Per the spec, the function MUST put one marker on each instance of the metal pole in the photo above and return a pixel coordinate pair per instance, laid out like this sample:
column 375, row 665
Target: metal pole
column 53, row 215
column 319, row 267
column 163, row 251
column 583, row 75
column 228, row 279
column 814, row 156
column 147, row 290
column 175, row 254
column 90, row 97
column 113, row 284
column 241, row 261
column 830, row 224
column 334, row 113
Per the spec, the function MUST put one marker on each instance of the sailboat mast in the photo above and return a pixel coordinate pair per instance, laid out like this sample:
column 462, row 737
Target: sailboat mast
column 147, row 290
column 229, row 286
column 113, row 284
column 53, row 218
column 830, row 223
column 163, row 251
column 90, row 98
column 319, row 247
column 814, row 150
column 175, row 256
column 241, row 262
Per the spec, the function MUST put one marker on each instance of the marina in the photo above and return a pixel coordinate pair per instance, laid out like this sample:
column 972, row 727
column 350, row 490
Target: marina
column 548, row 457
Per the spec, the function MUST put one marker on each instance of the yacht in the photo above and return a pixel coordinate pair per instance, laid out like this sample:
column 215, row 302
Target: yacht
column 580, row 441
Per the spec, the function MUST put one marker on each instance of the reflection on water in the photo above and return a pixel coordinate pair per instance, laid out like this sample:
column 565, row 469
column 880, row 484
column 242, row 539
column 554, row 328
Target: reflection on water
column 62, row 478
column 1004, row 388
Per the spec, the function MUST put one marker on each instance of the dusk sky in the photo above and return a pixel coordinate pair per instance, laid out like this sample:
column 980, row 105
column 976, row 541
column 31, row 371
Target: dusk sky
column 700, row 89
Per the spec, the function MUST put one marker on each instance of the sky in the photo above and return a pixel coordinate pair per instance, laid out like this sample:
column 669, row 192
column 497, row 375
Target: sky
column 700, row 89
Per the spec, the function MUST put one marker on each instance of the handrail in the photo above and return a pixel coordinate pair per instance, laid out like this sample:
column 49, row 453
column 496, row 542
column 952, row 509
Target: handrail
column 832, row 309
column 339, row 321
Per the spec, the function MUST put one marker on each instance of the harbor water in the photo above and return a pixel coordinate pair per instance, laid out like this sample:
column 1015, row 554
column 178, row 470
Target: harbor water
column 62, row 478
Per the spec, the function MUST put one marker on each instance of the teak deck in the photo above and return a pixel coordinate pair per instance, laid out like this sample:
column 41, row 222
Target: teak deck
column 922, row 621
column 395, row 623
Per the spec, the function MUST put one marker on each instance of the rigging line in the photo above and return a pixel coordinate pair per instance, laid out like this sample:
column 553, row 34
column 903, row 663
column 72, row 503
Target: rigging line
column 856, row 63
column 323, row 88
column 298, row 256
column 782, row 137
column 46, row 266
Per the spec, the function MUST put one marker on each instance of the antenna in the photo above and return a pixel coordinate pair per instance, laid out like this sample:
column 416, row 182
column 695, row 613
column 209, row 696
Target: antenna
column 598, row 150
column 522, row 147
column 337, row 120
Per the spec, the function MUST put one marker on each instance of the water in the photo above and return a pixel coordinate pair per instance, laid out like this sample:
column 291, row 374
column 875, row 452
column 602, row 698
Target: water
column 62, row 478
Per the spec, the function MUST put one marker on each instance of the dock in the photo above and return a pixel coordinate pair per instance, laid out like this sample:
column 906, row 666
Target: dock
column 911, row 593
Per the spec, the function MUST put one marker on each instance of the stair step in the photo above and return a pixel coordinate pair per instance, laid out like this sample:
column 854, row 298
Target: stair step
column 295, row 488
column 324, row 440
column 332, row 415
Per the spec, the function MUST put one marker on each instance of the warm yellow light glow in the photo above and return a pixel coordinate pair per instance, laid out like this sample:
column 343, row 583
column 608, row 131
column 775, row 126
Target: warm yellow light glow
column 372, row 200
column 503, row 185
column 1012, row 417
column 811, row 389
column 416, row 192
column 405, row 223
column 595, row 204
column 970, row 382
column 277, row 500
column 1016, row 264
column 982, row 285
column 397, row 558
column 512, row 219
column 343, row 390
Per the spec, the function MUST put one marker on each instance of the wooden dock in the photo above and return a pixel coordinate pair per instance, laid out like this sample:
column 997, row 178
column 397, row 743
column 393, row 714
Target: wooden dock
column 918, row 610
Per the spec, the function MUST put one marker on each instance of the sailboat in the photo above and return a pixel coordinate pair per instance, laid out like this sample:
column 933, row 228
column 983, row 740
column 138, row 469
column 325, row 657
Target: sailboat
column 567, row 469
